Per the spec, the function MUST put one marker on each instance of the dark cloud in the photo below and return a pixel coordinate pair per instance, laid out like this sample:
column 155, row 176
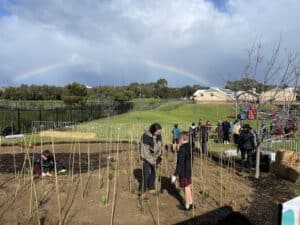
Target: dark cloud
column 107, row 42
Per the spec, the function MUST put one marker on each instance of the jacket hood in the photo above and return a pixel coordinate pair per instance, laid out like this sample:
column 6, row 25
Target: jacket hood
column 148, row 133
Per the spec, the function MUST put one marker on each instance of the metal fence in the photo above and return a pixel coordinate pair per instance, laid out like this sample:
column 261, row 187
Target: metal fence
column 37, row 126
column 19, row 119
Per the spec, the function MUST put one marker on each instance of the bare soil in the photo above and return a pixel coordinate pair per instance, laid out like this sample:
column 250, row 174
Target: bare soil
column 93, row 169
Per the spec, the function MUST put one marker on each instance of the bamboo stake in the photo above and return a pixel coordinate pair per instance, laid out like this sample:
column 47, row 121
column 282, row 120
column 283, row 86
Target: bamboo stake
column 89, row 158
column 157, row 195
column 99, row 171
column 56, row 184
column 32, row 186
column 115, row 182
column 130, row 163
column 80, row 172
column 14, row 158
column 107, row 164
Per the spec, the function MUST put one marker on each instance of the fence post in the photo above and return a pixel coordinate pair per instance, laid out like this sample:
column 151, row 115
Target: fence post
column 12, row 119
column 56, row 116
column 19, row 120
column 40, row 114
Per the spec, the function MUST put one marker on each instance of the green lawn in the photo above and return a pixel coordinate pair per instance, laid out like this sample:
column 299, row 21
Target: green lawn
column 133, row 123
column 173, row 112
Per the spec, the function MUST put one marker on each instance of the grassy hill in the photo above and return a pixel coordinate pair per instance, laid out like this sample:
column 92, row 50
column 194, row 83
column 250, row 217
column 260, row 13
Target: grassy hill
column 132, row 124
column 173, row 112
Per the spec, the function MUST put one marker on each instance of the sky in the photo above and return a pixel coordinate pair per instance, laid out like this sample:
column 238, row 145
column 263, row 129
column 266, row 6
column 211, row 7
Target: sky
column 116, row 42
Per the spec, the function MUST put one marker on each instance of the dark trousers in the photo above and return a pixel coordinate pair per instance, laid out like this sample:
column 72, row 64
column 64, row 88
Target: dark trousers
column 148, row 176
column 236, row 138
column 248, row 163
column 204, row 147
column 226, row 136
column 49, row 166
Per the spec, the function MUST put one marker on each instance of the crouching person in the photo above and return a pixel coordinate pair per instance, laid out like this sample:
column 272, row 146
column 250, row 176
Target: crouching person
column 184, row 169
column 151, row 151
column 44, row 164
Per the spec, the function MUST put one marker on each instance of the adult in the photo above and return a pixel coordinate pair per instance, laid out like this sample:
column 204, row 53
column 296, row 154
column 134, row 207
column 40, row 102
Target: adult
column 176, row 133
column 208, row 125
column 236, row 131
column 151, row 151
column 192, row 134
column 226, row 132
column 203, row 137
column 246, row 146
column 219, row 131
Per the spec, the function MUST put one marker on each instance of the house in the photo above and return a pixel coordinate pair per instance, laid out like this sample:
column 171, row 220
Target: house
column 213, row 95
column 279, row 96
column 247, row 96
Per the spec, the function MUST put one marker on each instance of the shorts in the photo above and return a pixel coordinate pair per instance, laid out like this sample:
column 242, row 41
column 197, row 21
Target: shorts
column 176, row 141
column 184, row 181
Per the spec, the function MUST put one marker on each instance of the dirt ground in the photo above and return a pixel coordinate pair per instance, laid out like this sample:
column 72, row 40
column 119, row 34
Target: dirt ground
column 80, row 196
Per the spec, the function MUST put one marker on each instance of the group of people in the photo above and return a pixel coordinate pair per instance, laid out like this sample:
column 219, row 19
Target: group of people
column 283, row 127
column 151, row 153
column 244, row 137
column 226, row 132
column 200, row 131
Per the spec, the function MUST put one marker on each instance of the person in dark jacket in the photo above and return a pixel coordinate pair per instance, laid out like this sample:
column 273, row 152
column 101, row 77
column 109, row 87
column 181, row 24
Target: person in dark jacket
column 203, row 137
column 246, row 145
column 226, row 132
column 45, row 163
column 219, row 131
column 192, row 135
column 184, row 169
column 151, row 151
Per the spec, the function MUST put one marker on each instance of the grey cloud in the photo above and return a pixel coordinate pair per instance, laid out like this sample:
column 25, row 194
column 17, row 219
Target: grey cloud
column 112, row 38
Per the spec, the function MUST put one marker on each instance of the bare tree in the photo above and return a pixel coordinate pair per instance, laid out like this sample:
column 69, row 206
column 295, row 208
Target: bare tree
column 281, row 69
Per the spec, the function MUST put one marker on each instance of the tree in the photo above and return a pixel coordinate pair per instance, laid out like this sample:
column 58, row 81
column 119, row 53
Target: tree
column 277, row 71
column 75, row 94
column 247, row 84
column 161, row 88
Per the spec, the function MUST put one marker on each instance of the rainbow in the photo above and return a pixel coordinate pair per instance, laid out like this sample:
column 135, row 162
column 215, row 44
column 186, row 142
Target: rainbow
column 39, row 70
column 177, row 70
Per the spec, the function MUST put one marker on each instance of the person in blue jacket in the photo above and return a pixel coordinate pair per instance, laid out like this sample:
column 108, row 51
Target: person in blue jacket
column 176, row 133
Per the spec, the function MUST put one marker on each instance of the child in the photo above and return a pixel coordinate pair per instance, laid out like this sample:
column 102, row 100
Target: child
column 45, row 163
column 184, row 169
column 176, row 133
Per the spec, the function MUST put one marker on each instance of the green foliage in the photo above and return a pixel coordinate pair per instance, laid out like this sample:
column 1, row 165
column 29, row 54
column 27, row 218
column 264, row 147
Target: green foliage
column 75, row 93
column 71, row 100
column 104, row 199
column 33, row 92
